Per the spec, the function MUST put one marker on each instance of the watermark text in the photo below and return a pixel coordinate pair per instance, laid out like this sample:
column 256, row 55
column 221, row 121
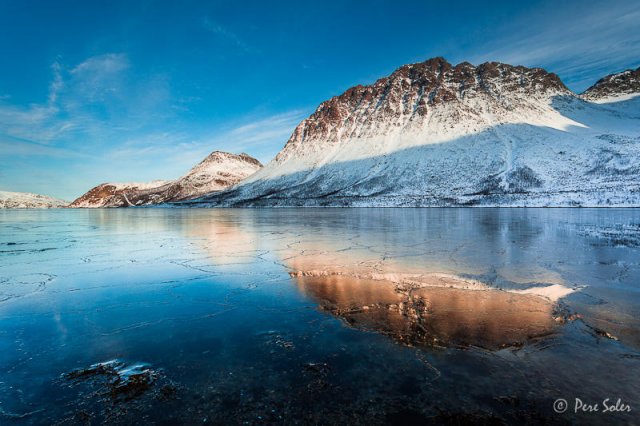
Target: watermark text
column 607, row 405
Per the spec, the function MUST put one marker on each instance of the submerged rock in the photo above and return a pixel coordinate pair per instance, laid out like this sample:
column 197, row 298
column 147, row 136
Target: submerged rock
column 111, row 389
column 317, row 373
column 121, row 380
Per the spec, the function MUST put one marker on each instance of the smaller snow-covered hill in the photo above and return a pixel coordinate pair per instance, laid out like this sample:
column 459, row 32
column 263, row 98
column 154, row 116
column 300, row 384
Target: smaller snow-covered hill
column 218, row 171
column 614, row 87
column 27, row 200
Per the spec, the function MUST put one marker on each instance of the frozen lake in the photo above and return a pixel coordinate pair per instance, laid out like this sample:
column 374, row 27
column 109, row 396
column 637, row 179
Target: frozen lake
column 352, row 316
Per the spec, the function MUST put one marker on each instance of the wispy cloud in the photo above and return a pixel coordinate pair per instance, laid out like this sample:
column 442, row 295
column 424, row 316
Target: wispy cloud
column 99, row 113
column 226, row 34
column 56, row 84
column 24, row 148
column 261, row 136
column 92, row 102
column 583, row 43
column 102, row 65
column 97, row 79
column 264, row 131
column 33, row 122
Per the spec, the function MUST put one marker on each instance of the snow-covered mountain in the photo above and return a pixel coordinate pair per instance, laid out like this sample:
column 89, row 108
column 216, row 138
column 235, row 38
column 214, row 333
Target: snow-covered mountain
column 218, row 171
column 437, row 134
column 615, row 87
column 27, row 200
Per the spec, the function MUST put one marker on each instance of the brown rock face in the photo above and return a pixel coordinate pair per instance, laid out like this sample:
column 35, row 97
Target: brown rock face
column 623, row 83
column 116, row 195
column 218, row 171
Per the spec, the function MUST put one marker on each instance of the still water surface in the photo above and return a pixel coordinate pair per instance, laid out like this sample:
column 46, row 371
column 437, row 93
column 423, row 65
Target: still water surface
column 318, row 315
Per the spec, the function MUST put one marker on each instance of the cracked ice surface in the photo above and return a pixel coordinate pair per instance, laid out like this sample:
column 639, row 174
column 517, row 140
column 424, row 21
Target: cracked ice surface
column 316, row 315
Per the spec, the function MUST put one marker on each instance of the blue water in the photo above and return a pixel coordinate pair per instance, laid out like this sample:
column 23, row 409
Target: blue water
column 204, row 301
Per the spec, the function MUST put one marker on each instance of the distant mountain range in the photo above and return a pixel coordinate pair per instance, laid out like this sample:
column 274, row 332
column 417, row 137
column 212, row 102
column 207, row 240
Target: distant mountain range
column 26, row 200
column 430, row 134
column 435, row 134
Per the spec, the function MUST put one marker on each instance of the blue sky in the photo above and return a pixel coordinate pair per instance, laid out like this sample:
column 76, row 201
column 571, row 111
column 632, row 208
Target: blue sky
column 141, row 90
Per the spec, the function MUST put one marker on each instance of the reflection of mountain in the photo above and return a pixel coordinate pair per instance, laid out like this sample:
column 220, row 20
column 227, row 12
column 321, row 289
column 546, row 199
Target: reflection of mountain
column 390, row 293
column 348, row 259
column 433, row 133
column 438, row 316
column 227, row 240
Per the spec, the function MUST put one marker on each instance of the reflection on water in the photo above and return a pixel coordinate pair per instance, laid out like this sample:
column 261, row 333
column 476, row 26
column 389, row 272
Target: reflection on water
column 317, row 316
column 437, row 316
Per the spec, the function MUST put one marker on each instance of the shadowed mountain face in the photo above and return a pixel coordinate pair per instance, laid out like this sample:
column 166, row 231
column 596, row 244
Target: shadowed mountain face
column 437, row 134
column 218, row 171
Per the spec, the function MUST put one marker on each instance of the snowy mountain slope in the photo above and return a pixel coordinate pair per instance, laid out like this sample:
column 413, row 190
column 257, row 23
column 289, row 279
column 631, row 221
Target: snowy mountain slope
column 27, row 200
column 437, row 134
column 216, row 172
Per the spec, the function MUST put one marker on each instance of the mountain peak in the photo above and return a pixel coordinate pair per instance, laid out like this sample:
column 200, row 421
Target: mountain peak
column 407, row 99
column 222, row 156
column 614, row 87
column 433, row 65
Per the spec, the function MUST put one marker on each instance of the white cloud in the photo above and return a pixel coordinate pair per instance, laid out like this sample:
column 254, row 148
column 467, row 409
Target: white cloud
column 265, row 130
column 98, row 78
column 101, row 65
column 34, row 122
